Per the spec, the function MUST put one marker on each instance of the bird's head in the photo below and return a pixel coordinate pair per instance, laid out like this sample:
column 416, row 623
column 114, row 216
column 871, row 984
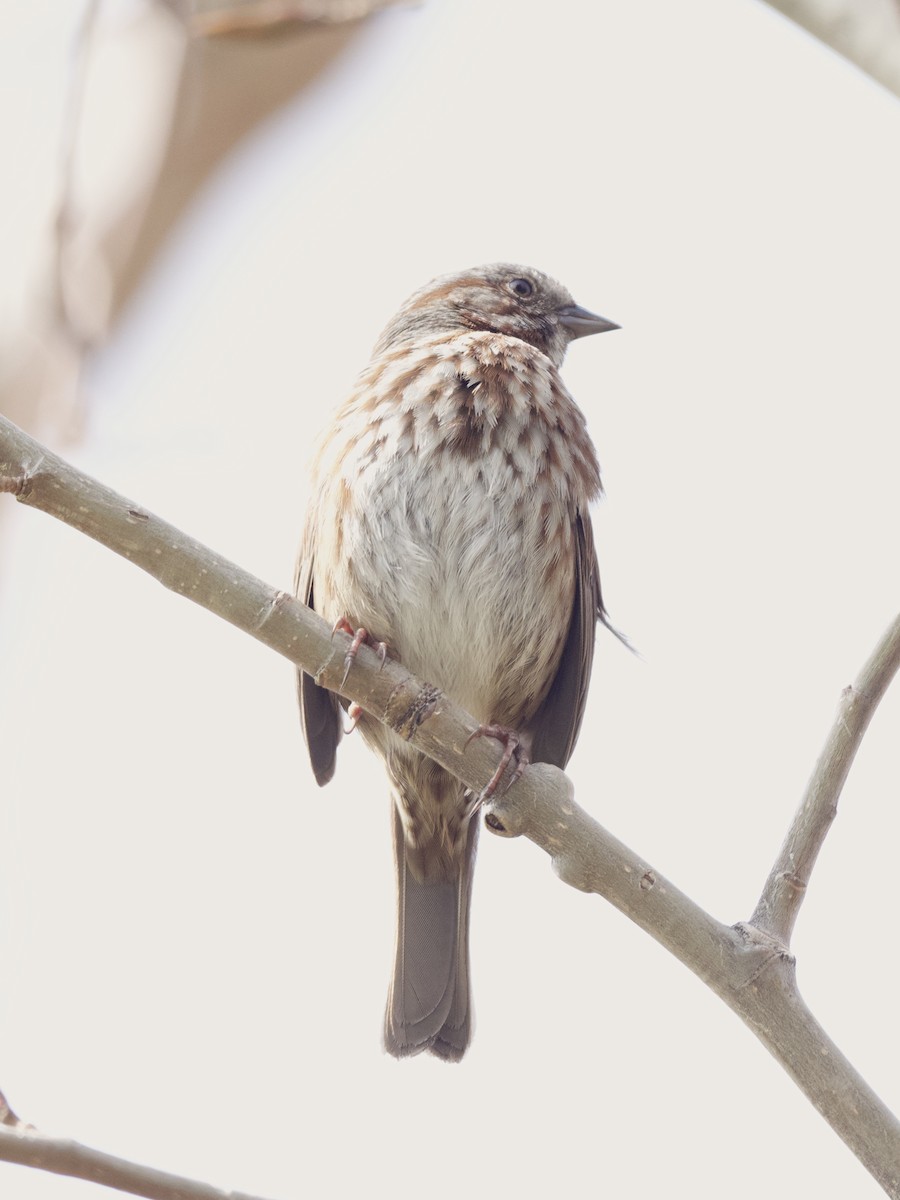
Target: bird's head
column 502, row 298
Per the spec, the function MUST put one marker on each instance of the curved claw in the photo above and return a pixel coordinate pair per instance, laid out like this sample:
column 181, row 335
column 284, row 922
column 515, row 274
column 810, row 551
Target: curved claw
column 359, row 637
column 513, row 747
column 354, row 712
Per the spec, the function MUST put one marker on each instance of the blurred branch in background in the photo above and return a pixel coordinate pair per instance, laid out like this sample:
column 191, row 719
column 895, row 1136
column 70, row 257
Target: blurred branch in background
column 867, row 32
column 227, row 86
column 155, row 102
column 216, row 17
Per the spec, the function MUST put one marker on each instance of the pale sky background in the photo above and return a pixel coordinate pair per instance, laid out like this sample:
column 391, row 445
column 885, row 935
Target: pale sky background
column 195, row 941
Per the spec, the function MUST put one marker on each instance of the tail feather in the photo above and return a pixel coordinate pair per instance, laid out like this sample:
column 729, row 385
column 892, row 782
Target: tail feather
column 429, row 1005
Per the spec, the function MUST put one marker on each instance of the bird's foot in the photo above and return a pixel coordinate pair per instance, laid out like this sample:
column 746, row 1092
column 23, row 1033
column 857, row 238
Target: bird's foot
column 359, row 637
column 514, row 750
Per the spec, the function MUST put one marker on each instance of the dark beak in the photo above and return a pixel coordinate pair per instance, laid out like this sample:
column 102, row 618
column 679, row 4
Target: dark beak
column 580, row 322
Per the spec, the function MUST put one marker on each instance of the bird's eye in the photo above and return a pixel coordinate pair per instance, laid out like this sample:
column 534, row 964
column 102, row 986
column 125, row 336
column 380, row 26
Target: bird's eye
column 522, row 287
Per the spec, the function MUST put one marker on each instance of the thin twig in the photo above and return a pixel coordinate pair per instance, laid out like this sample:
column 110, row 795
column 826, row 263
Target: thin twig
column 8, row 1117
column 30, row 1148
column 788, row 880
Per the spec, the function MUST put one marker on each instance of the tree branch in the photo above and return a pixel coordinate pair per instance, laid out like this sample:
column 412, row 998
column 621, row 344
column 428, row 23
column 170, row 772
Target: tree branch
column 22, row 1143
column 28, row 1147
column 788, row 880
column 867, row 32
column 746, row 966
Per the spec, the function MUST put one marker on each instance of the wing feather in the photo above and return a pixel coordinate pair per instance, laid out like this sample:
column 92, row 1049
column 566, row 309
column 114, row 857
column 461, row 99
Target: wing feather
column 319, row 709
column 558, row 720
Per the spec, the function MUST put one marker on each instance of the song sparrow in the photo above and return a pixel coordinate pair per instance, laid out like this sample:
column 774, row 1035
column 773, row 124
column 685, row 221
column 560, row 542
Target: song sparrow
column 450, row 520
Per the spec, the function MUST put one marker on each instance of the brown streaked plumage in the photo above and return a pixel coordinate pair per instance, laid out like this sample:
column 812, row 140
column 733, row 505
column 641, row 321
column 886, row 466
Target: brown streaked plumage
column 450, row 520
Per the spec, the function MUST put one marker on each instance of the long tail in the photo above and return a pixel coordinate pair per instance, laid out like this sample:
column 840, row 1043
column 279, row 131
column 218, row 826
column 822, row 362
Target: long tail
column 429, row 1006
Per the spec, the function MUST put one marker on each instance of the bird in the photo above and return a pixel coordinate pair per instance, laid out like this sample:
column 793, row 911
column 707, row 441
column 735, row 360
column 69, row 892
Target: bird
column 449, row 525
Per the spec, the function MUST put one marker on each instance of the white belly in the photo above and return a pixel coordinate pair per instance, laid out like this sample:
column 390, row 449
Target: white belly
column 453, row 564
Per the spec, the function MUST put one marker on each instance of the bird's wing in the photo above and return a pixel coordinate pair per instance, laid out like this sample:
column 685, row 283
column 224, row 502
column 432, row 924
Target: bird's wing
column 558, row 720
column 319, row 709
